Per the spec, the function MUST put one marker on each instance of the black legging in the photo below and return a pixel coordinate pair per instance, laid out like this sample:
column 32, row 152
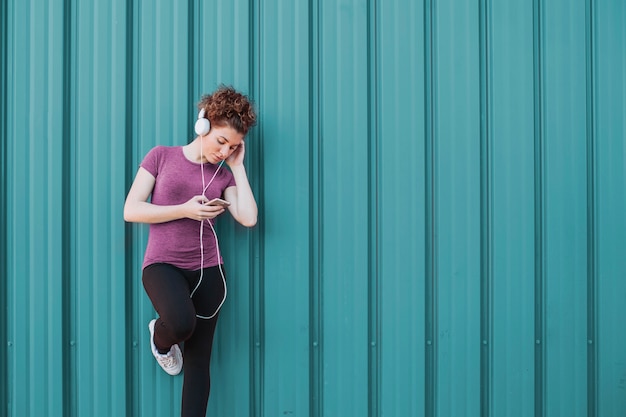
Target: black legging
column 169, row 288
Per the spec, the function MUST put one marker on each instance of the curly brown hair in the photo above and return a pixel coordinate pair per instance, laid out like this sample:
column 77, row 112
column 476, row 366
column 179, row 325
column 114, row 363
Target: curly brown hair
column 228, row 107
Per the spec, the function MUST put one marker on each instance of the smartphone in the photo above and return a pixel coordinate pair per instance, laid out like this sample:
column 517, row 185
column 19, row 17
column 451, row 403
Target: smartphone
column 219, row 202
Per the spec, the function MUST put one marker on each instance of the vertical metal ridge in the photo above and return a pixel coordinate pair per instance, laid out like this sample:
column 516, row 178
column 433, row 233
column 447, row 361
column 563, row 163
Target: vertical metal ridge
column 129, row 235
column 132, row 231
column 430, row 303
column 315, row 200
column 69, row 380
column 373, row 215
column 539, row 377
column 4, row 375
column 194, row 49
column 191, row 60
column 257, row 249
column 592, row 372
column 485, row 211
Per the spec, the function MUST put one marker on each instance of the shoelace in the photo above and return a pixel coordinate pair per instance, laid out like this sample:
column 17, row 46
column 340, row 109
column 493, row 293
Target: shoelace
column 168, row 360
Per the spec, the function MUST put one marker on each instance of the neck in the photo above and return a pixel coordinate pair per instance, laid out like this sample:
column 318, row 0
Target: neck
column 193, row 151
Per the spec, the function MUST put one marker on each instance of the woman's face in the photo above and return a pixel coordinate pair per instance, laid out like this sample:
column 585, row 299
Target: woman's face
column 220, row 143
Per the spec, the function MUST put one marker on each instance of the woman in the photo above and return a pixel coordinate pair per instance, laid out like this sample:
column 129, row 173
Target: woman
column 182, row 268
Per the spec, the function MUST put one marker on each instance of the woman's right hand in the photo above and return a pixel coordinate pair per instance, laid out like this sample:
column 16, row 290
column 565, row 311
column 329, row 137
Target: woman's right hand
column 198, row 209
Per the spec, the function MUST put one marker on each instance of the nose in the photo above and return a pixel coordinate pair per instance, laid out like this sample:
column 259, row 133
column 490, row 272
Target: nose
column 225, row 151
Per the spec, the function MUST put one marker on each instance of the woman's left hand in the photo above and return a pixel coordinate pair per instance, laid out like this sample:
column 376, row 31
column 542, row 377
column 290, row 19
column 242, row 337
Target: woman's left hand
column 236, row 158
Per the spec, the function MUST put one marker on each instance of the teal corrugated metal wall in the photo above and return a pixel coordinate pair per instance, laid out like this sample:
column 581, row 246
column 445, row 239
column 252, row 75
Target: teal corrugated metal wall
column 442, row 192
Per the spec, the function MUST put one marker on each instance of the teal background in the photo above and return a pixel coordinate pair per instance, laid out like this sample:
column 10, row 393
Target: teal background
column 442, row 205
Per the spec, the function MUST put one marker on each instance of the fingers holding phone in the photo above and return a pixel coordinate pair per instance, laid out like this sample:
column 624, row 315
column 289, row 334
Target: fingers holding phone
column 214, row 207
column 218, row 202
column 200, row 208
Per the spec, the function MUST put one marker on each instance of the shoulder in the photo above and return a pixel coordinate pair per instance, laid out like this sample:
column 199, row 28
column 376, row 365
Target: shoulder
column 163, row 150
column 161, row 153
column 158, row 157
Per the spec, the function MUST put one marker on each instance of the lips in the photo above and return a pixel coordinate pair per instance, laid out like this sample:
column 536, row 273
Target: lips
column 216, row 158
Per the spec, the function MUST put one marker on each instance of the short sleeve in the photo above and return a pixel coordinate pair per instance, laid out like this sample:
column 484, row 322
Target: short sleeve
column 151, row 161
column 231, row 180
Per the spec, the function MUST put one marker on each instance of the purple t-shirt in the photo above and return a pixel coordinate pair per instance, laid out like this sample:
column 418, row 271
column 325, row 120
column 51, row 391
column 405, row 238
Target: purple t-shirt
column 178, row 179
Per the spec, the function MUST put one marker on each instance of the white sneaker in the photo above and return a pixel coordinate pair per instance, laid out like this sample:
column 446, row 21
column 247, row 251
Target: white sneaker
column 172, row 361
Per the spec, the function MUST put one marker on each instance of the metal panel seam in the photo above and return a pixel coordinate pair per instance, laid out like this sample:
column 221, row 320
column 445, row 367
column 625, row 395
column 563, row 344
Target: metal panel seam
column 373, row 215
column 430, row 290
column 3, row 207
column 316, row 359
column 69, row 382
column 191, row 56
column 486, row 200
column 539, row 218
column 592, row 372
column 374, row 266
column 257, row 310
column 133, row 232
column 129, row 235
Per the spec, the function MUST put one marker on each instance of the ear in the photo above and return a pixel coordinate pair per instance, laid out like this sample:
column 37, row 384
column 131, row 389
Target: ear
column 203, row 125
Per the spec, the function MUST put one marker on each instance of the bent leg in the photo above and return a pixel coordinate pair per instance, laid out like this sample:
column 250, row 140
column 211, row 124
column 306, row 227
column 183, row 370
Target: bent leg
column 169, row 291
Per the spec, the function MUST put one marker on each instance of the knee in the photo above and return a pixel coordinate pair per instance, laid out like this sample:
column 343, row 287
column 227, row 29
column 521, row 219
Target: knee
column 183, row 328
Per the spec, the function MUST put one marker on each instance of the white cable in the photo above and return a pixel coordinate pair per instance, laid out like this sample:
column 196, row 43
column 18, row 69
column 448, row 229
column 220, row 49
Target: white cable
column 219, row 265
column 217, row 245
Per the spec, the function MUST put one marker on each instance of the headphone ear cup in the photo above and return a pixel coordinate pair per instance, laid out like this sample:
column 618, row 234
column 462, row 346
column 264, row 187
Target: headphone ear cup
column 202, row 127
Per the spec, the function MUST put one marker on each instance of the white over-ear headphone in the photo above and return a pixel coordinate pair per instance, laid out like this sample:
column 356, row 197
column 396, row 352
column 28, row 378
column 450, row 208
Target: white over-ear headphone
column 203, row 126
